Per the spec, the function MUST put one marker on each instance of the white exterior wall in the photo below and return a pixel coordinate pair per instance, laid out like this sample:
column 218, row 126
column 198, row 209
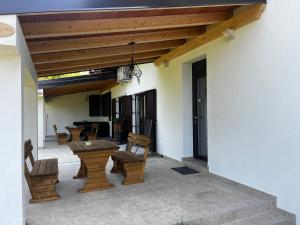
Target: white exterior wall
column 15, row 62
column 31, row 113
column 253, row 110
column 169, row 105
column 11, row 141
column 41, row 122
column 64, row 110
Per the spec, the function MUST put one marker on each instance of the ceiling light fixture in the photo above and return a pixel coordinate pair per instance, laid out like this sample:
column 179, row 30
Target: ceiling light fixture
column 134, row 70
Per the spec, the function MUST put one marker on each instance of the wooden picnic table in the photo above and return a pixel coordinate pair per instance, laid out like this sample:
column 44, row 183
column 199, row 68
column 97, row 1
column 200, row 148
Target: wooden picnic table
column 75, row 132
column 93, row 159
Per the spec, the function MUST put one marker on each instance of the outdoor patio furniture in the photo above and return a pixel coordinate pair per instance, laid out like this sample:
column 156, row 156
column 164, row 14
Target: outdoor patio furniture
column 75, row 132
column 131, row 164
column 93, row 156
column 92, row 135
column 42, row 178
column 62, row 138
column 147, row 131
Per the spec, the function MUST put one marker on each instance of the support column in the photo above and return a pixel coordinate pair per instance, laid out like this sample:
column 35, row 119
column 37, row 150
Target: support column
column 11, row 140
column 15, row 62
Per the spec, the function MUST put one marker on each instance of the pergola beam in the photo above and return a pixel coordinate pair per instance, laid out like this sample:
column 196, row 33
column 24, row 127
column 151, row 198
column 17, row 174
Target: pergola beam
column 77, row 88
column 92, row 67
column 33, row 6
column 115, row 25
column 41, row 68
column 242, row 17
column 109, row 75
column 37, row 47
column 103, row 52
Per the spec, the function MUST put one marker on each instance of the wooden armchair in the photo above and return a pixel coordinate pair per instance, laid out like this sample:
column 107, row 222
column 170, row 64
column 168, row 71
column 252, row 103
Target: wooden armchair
column 129, row 163
column 92, row 135
column 61, row 138
column 42, row 178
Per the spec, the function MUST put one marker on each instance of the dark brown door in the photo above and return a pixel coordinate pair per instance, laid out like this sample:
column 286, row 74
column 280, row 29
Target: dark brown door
column 113, row 113
column 200, row 110
column 125, row 113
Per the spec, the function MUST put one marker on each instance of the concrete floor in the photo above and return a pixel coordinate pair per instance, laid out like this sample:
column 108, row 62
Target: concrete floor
column 166, row 197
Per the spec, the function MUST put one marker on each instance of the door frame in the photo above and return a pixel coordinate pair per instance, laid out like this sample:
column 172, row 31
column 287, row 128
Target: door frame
column 194, row 105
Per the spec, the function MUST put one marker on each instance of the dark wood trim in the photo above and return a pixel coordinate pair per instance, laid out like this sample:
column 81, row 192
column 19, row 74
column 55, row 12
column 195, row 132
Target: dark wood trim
column 33, row 6
column 107, row 75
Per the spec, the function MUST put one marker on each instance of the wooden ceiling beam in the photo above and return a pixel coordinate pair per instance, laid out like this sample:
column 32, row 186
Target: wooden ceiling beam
column 243, row 16
column 92, row 67
column 103, row 52
column 73, row 89
column 109, row 86
column 87, row 62
column 115, row 25
column 37, row 47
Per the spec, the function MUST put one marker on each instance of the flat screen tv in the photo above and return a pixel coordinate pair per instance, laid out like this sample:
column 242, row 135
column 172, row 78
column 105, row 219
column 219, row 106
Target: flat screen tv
column 95, row 105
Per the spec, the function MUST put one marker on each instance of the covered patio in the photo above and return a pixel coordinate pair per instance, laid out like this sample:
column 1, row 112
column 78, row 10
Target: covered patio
column 118, row 95
column 165, row 198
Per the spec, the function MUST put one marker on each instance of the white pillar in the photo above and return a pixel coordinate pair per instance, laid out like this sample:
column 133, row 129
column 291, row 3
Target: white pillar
column 41, row 121
column 15, row 61
column 11, row 141
column 31, row 113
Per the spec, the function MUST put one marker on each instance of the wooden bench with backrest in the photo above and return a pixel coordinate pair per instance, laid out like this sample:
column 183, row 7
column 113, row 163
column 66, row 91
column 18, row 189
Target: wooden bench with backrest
column 42, row 178
column 61, row 138
column 131, row 164
column 92, row 135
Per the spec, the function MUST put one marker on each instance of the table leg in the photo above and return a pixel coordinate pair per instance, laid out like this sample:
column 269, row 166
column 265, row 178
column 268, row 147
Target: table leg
column 82, row 172
column 96, row 177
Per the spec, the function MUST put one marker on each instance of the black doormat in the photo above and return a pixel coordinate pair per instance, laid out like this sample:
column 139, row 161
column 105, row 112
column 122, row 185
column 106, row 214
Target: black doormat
column 184, row 170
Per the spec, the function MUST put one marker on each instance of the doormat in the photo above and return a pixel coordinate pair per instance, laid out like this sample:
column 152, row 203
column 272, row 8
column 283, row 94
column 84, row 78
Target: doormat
column 184, row 170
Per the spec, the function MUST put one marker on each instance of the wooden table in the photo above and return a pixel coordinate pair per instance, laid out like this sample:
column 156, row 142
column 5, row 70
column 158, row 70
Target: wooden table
column 75, row 133
column 93, row 159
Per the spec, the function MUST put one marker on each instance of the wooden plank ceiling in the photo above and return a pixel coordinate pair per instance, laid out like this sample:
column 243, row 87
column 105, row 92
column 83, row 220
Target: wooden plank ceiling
column 77, row 88
column 78, row 41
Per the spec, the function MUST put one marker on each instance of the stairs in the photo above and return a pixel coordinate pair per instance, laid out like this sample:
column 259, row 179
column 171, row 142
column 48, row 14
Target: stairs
column 261, row 211
column 276, row 217
column 256, row 213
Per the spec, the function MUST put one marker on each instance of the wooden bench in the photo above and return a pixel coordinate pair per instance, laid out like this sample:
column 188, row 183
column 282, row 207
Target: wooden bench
column 42, row 178
column 130, row 164
column 92, row 135
column 61, row 138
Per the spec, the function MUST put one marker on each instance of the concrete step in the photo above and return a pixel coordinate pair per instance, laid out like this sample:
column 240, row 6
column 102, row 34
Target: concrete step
column 228, row 214
column 276, row 217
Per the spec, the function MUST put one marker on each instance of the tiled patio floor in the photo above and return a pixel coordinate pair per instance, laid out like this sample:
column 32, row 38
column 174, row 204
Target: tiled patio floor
column 164, row 198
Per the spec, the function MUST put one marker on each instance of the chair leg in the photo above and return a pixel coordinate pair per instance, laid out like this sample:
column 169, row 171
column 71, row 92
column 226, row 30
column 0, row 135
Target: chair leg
column 134, row 173
column 116, row 167
column 44, row 190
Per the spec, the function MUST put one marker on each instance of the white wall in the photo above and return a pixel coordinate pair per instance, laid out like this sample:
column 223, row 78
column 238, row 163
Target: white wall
column 253, row 110
column 15, row 62
column 41, row 121
column 169, row 99
column 64, row 110
column 30, row 113
column 11, row 141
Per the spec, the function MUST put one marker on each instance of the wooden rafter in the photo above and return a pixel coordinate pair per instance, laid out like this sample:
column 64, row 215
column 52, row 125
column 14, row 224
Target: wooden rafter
column 77, row 88
column 89, row 62
column 103, row 52
column 91, row 67
column 37, row 47
column 76, row 41
column 100, row 26
column 242, row 17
